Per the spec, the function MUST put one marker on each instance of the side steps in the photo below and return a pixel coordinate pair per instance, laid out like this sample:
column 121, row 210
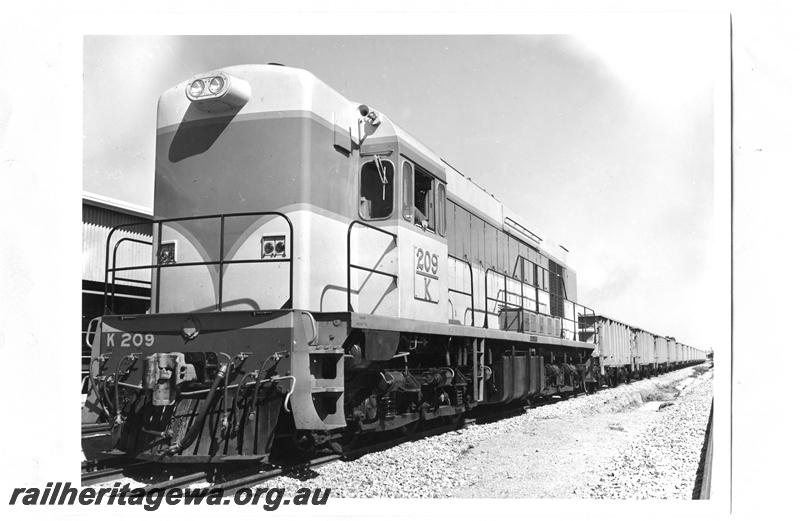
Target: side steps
column 318, row 369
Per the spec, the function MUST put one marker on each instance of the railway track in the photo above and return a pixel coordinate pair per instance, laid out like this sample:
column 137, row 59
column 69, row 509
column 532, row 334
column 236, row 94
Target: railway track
column 210, row 474
column 109, row 473
column 229, row 481
column 97, row 429
column 114, row 469
column 702, row 484
column 233, row 480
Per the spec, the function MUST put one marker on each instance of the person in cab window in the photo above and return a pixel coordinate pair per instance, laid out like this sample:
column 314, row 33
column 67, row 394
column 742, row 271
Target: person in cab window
column 420, row 218
column 423, row 190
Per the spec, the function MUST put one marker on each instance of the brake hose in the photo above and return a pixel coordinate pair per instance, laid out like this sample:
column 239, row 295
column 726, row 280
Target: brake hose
column 234, row 406
column 197, row 426
column 93, row 386
column 258, row 379
column 225, row 411
column 117, row 411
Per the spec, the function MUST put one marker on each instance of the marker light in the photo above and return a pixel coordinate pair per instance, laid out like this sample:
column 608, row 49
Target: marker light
column 216, row 84
column 273, row 246
column 166, row 253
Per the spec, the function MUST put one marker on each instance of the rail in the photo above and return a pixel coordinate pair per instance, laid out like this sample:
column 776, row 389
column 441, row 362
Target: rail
column 471, row 293
column 351, row 266
column 702, row 485
column 221, row 262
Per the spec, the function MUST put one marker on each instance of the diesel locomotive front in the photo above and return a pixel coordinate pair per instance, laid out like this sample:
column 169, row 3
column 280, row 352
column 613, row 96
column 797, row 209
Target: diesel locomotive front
column 317, row 273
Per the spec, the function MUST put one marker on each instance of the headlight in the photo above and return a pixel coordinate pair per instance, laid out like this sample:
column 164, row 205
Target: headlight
column 216, row 84
column 196, row 88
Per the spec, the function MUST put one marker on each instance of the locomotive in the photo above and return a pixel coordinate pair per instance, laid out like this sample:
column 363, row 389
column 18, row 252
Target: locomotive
column 318, row 274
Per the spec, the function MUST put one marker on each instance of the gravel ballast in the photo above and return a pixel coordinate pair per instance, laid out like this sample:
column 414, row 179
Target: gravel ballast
column 605, row 445
column 641, row 440
column 662, row 461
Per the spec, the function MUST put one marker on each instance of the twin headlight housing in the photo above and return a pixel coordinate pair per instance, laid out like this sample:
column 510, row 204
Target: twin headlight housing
column 217, row 91
column 206, row 87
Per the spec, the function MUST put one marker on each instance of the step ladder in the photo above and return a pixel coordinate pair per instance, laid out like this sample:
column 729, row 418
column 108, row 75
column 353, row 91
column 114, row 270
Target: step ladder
column 478, row 347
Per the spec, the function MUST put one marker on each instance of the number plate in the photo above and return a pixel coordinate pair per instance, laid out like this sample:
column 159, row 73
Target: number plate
column 426, row 275
column 129, row 340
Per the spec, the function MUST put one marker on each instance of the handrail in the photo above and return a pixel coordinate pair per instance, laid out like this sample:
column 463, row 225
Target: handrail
column 314, row 328
column 487, row 298
column 471, row 287
column 575, row 320
column 221, row 262
column 350, row 265
column 89, row 331
column 114, row 277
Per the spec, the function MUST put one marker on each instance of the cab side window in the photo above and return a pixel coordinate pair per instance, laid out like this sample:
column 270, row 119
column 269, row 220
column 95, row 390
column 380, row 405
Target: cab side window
column 424, row 212
column 377, row 190
column 441, row 205
column 408, row 191
column 424, row 199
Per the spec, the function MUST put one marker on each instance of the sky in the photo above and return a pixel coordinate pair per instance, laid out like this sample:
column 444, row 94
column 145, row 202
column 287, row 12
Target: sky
column 603, row 141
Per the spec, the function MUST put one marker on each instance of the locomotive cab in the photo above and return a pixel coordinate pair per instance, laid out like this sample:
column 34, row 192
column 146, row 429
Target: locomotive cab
column 398, row 248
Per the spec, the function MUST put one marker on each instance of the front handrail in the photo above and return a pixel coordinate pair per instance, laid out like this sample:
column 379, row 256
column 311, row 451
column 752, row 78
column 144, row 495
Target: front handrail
column 351, row 266
column 89, row 331
column 221, row 262
column 314, row 328
column 114, row 277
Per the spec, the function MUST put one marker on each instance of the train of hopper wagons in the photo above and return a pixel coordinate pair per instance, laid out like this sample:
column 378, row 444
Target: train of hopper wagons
column 318, row 274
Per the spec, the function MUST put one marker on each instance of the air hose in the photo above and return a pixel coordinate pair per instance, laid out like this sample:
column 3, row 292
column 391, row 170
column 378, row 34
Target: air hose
column 93, row 385
column 197, row 426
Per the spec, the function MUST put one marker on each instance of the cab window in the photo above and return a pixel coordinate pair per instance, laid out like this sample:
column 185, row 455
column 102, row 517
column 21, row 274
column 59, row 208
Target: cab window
column 408, row 191
column 424, row 214
column 441, row 201
column 377, row 189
